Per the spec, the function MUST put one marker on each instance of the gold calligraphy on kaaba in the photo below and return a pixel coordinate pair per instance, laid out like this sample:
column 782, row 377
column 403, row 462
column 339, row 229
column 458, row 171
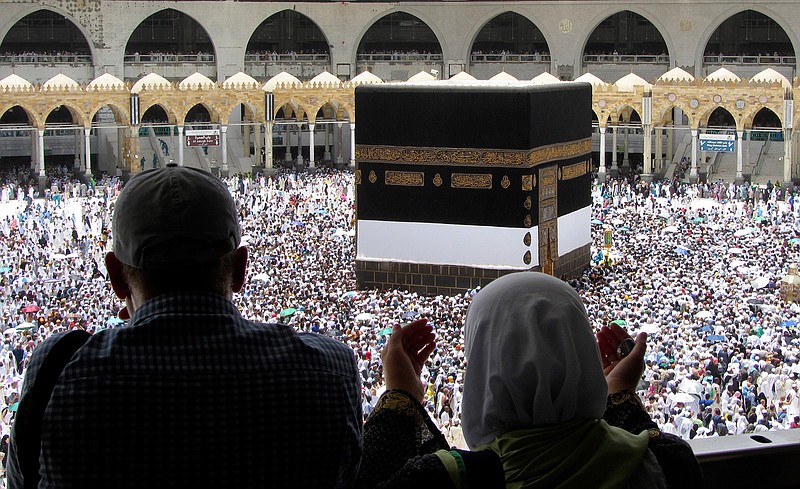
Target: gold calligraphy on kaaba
column 528, row 221
column 471, row 180
column 527, row 239
column 527, row 257
column 574, row 171
column 548, row 181
column 372, row 176
column 437, row 180
column 527, row 183
column 405, row 178
column 473, row 157
column 358, row 177
column 505, row 182
column 528, row 203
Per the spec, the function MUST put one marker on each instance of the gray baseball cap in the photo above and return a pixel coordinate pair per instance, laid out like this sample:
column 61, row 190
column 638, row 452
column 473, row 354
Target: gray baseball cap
column 174, row 217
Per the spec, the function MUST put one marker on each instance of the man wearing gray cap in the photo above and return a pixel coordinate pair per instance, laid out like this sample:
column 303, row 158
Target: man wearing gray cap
column 189, row 393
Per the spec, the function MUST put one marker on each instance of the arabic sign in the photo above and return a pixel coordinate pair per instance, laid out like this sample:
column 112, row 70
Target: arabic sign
column 721, row 143
column 206, row 137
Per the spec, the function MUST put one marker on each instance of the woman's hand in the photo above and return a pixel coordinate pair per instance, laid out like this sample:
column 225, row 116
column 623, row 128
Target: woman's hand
column 623, row 373
column 405, row 354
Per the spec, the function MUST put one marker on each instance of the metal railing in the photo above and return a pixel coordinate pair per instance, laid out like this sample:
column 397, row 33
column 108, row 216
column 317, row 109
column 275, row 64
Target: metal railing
column 389, row 57
column 286, row 58
column 34, row 58
column 766, row 59
column 626, row 58
column 168, row 58
column 509, row 58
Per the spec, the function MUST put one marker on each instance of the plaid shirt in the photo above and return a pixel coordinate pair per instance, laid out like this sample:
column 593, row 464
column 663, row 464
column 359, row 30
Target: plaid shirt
column 191, row 394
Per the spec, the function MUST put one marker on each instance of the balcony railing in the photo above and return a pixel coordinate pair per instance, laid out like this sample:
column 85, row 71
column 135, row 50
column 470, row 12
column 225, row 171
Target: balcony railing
column 167, row 58
column 34, row 58
column 398, row 57
column 766, row 59
column 635, row 59
column 286, row 58
column 509, row 58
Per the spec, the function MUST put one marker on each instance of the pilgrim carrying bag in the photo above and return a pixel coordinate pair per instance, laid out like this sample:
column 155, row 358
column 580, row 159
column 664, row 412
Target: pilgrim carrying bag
column 26, row 436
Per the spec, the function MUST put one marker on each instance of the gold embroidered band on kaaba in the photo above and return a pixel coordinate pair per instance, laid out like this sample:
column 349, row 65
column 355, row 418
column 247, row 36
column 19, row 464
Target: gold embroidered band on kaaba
column 473, row 157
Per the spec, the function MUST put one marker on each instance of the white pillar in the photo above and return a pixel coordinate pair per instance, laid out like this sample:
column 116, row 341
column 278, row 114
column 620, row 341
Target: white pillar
column 78, row 157
column 288, row 130
column 41, row 153
column 246, row 140
column 87, row 149
column 602, row 149
column 257, row 142
column 326, row 156
column 224, row 143
column 659, row 148
column 311, row 163
column 34, row 150
column 338, row 144
column 787, row 155
column 693, row 173
column 739, row 159
column 180, row 145
column 670, row 141
column 647, row 158
column 300, row 143
column 268, row 145
column 614, row 145
column 352, row 145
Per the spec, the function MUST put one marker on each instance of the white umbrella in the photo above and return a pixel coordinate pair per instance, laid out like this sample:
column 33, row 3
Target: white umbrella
column 684, row 398
column 735, row 251
column 364, row 316
column 691, row 387
column 704, row 315
column 262, row 277
column 670, row 229
column 760, row 282
column 736, row 263
column 649, row 328
column 743, row 232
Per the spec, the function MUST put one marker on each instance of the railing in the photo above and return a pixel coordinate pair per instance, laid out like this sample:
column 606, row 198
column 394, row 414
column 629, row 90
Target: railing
column 626, row 58
column 509, row 58
column 168, row 58
column 286, row 58
column 383, row 57
column 766, row 59
column 34, row 58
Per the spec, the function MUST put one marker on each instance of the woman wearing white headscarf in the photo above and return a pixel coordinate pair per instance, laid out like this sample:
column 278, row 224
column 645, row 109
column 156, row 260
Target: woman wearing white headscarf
column 535, row 393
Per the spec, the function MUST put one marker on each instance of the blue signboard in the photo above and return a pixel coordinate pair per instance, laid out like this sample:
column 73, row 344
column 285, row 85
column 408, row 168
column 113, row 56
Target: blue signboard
column 721, row 143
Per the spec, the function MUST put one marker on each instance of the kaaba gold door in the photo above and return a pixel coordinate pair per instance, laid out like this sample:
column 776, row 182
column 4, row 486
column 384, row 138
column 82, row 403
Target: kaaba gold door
column 548, row 219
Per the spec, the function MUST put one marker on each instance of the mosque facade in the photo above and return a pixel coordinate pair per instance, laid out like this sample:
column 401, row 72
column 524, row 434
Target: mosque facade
column 283, row 75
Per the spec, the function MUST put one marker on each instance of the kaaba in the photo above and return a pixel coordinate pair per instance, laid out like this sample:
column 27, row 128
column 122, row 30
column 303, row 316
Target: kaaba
column 457, row 185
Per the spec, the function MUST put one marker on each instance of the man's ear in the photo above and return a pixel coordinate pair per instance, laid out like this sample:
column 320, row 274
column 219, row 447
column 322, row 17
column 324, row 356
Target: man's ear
column 239, row 268
column 118, row 282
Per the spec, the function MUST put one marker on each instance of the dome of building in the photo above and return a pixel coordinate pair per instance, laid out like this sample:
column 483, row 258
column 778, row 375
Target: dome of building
column 676, row 74
column 545, row 79
column 722, row 75
column 106, row 80
column 239, row 79
column 326, row 78
column 150, row 81
column 422, row 76
column 15, row 81
column 61, row 81
column 281, row 78
column 366, row 77
column 503, row 76
column 627, row 82
column 771, row 76
column 196, row 80
column 462, row 76
column 590, row 78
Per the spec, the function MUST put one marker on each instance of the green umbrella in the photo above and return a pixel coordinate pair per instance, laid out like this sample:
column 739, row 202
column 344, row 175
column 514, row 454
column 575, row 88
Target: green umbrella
column 14, row 406
column 385, row 332
column 619, row 322
column 288, row 312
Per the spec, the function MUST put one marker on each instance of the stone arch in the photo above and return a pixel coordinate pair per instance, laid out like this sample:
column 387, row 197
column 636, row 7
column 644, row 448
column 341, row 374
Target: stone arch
column 419, row 15
column 513, row 16
column 55, row 10
column 78, row 116
column 33, row 118
column 280, row 41
column 139, row 27
column 121, row 114
column 472, row 34
column 171, row 117
column 662, row 116
column 719, row 117
column 658, row 27
column 735, row 10
column 251, row 113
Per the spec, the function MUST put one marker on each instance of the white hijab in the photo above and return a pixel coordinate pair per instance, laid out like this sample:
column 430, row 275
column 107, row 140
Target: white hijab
column 532, row 358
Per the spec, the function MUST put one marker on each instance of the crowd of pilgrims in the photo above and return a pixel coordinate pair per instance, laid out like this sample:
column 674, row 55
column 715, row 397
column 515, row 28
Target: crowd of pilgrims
column 696, row 266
